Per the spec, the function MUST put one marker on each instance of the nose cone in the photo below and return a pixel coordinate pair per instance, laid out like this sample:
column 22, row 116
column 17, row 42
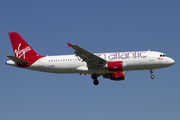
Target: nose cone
column 171, row 61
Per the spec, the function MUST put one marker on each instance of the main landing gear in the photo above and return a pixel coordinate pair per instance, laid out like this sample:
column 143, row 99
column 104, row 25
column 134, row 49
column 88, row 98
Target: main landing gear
column 152, row 76
column 94, row 77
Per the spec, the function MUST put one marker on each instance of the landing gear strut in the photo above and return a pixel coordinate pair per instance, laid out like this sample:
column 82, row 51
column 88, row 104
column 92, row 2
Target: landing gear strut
column 152, row 76
column 94, row 77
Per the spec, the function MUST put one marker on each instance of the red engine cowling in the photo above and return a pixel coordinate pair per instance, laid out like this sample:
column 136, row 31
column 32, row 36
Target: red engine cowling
column 115, row 66
column 117, row 76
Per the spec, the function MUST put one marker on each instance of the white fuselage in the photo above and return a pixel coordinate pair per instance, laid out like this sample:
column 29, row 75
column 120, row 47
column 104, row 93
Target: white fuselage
column 141, row 60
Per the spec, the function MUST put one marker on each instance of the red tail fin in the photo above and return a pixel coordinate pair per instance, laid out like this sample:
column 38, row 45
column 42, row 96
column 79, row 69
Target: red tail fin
column 21, row 49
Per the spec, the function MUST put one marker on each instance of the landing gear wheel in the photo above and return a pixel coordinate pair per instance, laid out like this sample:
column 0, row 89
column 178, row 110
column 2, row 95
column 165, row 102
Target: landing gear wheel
column 96, row 82
column 94, row 76
column 152, row 77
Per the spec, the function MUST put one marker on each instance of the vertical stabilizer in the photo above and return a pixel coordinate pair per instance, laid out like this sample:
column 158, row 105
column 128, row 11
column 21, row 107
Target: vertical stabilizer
column 20, row 47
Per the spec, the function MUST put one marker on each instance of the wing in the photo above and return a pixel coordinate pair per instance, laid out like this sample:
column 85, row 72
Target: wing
column 90, row 58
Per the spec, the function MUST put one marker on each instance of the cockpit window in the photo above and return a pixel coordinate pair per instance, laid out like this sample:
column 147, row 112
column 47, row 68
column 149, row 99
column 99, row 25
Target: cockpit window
column 163, row 55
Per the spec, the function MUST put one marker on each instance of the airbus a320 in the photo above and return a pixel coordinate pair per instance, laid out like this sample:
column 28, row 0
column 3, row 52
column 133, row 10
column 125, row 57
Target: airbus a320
column 109, row 65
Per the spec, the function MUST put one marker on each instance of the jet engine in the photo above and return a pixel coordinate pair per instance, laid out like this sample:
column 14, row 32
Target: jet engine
column 117, row 76
column 114, row 66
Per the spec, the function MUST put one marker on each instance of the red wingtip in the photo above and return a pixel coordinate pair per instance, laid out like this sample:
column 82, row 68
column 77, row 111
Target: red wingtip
column 69, row 44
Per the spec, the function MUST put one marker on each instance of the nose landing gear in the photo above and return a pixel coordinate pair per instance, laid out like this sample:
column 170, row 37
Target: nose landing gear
column 94, row 77
column 152, row 76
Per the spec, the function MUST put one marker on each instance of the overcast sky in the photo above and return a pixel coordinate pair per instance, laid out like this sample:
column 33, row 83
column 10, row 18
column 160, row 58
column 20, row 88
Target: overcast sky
column 97, row 26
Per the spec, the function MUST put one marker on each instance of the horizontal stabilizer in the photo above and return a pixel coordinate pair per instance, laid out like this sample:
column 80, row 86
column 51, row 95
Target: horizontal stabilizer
column 17, row 60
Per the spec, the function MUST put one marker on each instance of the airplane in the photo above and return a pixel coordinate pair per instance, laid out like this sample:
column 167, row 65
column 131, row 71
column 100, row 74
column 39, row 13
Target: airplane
column 110, row 65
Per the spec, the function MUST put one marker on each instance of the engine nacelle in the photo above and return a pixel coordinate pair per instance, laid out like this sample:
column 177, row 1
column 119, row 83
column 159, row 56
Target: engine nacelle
column 117, row 76
column 114, row 66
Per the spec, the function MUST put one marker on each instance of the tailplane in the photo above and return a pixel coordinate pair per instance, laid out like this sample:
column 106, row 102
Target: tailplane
column 17, row 60
column 20, row 47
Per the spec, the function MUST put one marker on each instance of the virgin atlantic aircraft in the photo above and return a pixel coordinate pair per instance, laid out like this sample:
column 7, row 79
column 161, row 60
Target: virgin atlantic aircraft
column 109, row 65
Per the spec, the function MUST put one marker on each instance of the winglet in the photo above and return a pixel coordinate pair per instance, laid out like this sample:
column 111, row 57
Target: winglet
column 69, row 44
